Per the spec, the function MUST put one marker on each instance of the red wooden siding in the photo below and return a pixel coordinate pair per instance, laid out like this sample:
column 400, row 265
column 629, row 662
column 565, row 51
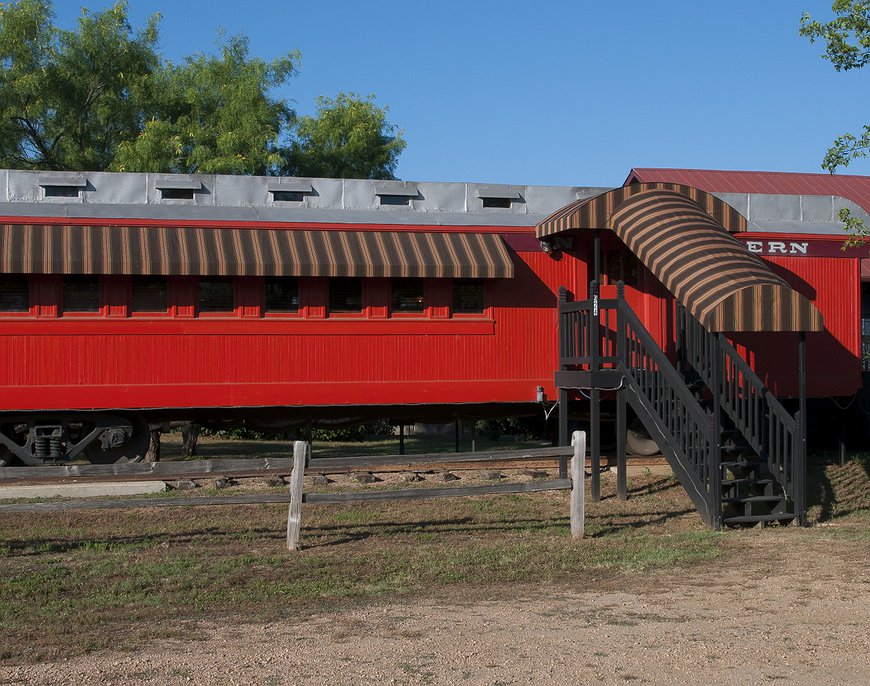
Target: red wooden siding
column 833, row 355
column 500, row 356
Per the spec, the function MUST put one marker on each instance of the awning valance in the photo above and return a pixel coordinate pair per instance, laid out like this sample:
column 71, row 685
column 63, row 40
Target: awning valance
column 680, row 237
column 69, row 249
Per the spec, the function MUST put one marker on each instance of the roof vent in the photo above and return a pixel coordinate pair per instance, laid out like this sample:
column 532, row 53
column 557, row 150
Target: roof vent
column 63, row 186
column 498, row 197
column 393, row 194
column 178, row 189
column 290, row 191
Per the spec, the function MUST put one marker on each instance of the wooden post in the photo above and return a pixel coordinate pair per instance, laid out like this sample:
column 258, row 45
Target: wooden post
column 714, row 468
column 401, row 439
column 800, row 465
column 456, row 431
column 621, row 462
column 578, row 472
column 564, row 351
column 595, row 393
column 294, row 515
column 563, row 431
column 621, row 408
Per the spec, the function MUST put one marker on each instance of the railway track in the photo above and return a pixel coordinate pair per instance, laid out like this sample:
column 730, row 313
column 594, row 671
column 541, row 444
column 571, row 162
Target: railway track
column 280, row 466
column 536, row 458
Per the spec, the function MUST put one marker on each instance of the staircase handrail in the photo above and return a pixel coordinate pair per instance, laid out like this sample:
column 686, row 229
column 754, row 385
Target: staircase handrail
column 768, row 427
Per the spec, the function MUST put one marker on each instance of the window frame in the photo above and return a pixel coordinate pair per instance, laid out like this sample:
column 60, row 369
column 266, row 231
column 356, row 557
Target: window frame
column 170, row 301
column 233, row 313
column 425, row 313
column 301, row 293
column 31, row 306
column 102, row 306
column 486, row 310
column 365, row 309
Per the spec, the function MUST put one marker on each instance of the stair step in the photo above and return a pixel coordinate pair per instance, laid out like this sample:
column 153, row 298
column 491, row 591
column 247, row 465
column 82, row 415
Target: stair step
column 741, row 481
column 755, row 519
column 740, row 464
column 755, row 499
column 738, row 448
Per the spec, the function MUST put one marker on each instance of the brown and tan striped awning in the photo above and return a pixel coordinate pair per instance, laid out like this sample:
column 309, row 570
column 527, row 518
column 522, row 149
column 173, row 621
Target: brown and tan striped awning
column 64, row 249
column 594, row 212
column 686, row 246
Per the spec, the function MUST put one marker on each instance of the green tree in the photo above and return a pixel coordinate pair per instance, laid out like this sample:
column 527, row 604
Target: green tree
column 101, row 97
column 69, row 98
column 214, row 115
column 348, row 138
column 847, row 46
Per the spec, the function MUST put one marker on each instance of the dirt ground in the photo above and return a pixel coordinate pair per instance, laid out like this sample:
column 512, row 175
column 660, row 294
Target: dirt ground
column 778, row 606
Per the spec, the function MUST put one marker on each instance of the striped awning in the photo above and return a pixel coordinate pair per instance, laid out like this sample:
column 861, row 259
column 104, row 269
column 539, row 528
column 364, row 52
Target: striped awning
column 688, row 249
column 68, row 249
column 594, row 212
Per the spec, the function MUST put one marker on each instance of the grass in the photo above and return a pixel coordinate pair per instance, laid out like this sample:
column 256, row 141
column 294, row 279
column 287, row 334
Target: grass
column 80, row 581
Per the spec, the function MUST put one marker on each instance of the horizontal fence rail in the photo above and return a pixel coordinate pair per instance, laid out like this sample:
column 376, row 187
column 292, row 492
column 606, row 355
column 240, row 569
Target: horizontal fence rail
column 275, row 465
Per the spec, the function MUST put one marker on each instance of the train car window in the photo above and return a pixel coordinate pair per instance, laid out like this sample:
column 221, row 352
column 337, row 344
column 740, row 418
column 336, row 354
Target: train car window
column 216, row 294
column 345, row 294
column 407, row 295
column 81, row 293
column 14, row 293
column 467, row 296
column 150, row 294
column 282, row 294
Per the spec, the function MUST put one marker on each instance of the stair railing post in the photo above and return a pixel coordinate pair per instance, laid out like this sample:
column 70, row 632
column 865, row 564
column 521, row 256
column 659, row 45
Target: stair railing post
column 681, row 338
column 714, row 467
column 800, row 460
column 563, row 393
column 621, row 463
column 595, row 394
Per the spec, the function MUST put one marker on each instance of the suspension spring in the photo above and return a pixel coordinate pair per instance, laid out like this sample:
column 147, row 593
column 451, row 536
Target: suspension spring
column 55, row 447
column 41, row 447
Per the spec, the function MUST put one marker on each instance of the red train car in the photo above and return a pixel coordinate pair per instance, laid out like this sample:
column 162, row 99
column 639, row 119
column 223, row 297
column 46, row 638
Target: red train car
column 135, row 299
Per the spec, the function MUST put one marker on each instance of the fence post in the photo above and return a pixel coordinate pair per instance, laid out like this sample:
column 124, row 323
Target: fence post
column 294, row 514
column 578, row 472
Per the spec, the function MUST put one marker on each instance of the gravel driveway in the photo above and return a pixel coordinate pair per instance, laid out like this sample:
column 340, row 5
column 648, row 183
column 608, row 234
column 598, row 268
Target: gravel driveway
column 764, row 613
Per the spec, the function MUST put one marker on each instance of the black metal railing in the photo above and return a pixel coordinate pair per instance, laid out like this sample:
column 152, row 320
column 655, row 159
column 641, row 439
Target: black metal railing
column 606, row 334
column 769, row 429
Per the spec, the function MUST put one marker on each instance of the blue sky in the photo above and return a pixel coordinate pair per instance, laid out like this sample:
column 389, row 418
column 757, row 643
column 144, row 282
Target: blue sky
column 547, row 92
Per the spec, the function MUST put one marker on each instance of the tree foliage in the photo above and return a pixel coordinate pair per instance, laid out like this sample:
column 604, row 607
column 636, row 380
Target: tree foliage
column 213, row 114
column 348, row 138
column 847, row 46
column 69, row 98
column 101, row 97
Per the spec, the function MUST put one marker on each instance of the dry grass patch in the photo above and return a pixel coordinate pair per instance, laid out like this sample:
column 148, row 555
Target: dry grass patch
column 79, row 581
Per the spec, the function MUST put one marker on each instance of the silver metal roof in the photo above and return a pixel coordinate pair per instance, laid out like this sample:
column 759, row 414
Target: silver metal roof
column 105, row 195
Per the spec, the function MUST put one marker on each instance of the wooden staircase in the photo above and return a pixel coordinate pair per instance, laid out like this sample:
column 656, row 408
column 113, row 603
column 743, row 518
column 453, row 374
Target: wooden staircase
column 740, row 455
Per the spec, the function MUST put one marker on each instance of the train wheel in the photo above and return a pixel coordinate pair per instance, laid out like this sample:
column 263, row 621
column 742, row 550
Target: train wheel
column 133, row 450
column 638, row 441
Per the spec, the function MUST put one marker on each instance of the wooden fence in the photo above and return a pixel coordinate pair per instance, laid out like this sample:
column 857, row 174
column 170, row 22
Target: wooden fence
column 297, row 496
